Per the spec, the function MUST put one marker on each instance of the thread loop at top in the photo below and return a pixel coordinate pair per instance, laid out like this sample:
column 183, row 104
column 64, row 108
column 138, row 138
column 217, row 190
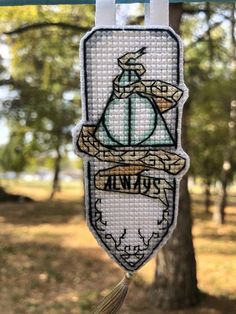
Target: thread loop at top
column 105, row 12
column 157, row 12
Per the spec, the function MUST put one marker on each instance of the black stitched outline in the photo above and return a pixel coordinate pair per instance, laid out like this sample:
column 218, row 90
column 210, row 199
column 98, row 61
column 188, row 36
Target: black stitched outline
column 130, row 122
column 138, row 264
column 130, row 113
column 125, row 164
column 129, row 29
column 91, row 211
column 104, row 223
column 110, row 236
column 101, row 120
column 154, row 178
column 156, row 110
column 143, row 238
column 176, row 127
column 155, row 121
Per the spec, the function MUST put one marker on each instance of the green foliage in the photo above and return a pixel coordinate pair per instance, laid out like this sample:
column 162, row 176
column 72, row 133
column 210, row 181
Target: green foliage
column 45, row 69
column 208, row 131
column 210, row 77
column 14, row 155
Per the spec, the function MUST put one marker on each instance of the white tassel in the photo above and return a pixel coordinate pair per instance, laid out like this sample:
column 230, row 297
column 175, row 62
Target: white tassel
column 114, row 300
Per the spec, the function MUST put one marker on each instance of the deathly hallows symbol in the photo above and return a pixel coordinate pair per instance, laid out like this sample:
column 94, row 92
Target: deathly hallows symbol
column 129, row 159
column 134, row 99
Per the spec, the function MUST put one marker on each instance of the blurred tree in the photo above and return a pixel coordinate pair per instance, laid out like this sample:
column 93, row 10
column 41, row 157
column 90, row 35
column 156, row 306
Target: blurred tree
column 210, row 78
column 13, row 155
column 44, row 48
column 45, row 70
column 208, row 131
column 204, row 132
column 175, row 284
column 228, row 168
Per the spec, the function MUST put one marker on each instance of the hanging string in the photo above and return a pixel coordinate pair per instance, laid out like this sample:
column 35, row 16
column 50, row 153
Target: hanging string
column 157, row 12
column 115, row 299
column 105, row 12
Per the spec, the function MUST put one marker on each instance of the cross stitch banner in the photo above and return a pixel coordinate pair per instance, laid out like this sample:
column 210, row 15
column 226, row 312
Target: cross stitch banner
column 133, row 94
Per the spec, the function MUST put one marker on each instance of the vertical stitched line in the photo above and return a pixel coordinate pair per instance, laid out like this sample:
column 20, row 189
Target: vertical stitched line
column 129, row 117
column 130, row 123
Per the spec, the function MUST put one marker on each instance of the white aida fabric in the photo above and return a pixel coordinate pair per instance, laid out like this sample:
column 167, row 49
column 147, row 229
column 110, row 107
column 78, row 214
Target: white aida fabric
column 132, row 96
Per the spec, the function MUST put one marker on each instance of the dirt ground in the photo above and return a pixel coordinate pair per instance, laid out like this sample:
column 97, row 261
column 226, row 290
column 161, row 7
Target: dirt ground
column 50, row 263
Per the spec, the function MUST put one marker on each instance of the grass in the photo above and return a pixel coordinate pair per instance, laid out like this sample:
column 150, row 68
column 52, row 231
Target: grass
column 50, row 263
column 40, row 190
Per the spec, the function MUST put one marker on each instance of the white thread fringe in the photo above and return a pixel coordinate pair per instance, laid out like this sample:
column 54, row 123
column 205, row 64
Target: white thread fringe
column 114, row 300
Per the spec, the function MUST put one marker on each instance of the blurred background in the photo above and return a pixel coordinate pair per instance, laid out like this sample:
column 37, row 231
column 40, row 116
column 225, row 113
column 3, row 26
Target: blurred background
column 49, row 261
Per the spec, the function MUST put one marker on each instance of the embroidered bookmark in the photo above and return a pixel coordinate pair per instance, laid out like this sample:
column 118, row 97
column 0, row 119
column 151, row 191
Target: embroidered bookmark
column 132, row 97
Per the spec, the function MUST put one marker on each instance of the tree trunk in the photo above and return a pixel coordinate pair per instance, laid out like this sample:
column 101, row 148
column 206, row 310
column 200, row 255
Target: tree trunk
column 207, row 196
column 219, row 213
column 175, row 284
column 56, row 178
